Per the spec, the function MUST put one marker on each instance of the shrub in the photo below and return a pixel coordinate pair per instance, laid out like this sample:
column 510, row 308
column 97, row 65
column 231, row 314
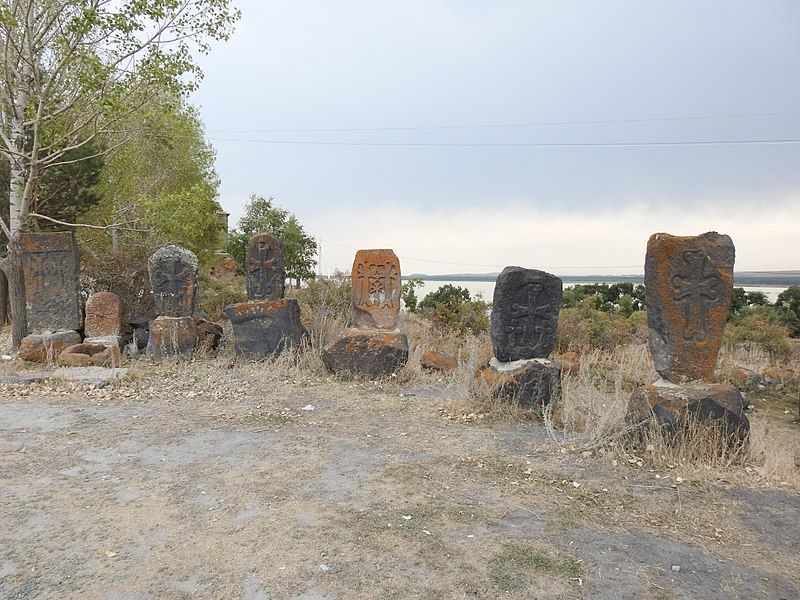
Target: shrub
column 213, row 296
column 584, row 328
column 761, row 330
column 452, row 308
column 325, row 304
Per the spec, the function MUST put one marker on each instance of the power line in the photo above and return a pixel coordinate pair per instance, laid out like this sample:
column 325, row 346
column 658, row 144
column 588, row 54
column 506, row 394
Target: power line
column 513, row 125
column 541, row 145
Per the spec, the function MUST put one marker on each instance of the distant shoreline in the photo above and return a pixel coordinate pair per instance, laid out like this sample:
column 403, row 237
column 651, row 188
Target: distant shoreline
column 780, row 279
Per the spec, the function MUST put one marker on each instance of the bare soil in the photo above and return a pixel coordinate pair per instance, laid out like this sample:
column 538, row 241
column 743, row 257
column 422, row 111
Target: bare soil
column 209, row 480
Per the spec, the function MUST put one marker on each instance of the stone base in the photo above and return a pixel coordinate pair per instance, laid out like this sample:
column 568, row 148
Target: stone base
column 86, row 354
column 265, row 328
column 172, row 336
column 434, row 360
column 370, row 352
column 533, row 382
column 107, row 340
column 671, row 404
column 46, row 347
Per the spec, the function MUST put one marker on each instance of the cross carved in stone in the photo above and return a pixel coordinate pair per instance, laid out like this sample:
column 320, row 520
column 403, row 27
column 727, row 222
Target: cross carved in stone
column 696, row 291
column 529, row 321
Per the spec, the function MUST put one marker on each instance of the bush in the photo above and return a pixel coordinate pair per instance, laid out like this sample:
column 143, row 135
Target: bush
column 213, row 296
column 763, row 331
column 325, row 304
column 585, row 327
column 452, row 308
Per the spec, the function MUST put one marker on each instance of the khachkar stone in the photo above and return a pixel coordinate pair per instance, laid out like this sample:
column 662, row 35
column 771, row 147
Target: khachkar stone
column 266, row 276
column 52, row 287
column 173, row 336
column 376, row 289
column 268, row 324
column 372, row 346
column 523, row 328
column 173, row 279
column 103, row 319
column 688, row 286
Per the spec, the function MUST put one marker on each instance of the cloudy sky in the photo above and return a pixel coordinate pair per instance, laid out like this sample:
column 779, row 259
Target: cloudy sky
column 548, row 71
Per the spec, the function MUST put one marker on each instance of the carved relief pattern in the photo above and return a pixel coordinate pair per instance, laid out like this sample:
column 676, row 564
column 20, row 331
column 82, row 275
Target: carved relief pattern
column 696, row 288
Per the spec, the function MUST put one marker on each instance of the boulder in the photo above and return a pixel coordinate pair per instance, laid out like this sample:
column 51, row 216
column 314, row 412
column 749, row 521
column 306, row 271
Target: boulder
column 535, row 382
column 172, row 336
column 46, row 347
column 688, row 286
column 266, row 328
column 439, row 361
column 369, row 352
column 77, row 359
column 672, row 404
column 746, row 380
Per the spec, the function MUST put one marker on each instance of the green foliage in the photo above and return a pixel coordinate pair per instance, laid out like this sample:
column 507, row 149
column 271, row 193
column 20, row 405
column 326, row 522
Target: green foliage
column 213, row 296
column 409, row 295
column 584, row 327
column 452, row 308
column 741, row 299
column 762, row 329
column 790, row 298
column 624, row 298
column 262, row 216
column 779, row 315
column 332, row 295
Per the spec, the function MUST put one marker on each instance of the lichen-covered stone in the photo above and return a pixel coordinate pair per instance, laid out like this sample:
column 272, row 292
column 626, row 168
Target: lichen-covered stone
column 266, row 328
column 435, row 360
column 369, row 352
column 688, row 285
column 46, row 347
column 376, row 289
column 173, row 279
column 266, row 276
column 534, row 382
column 103, row 315
column 525, row 314
column 51, row 266
column 172, row 336
column 673, row 404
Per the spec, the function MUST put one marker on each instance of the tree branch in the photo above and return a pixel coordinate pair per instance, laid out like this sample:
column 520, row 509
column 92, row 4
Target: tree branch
column 117, row 226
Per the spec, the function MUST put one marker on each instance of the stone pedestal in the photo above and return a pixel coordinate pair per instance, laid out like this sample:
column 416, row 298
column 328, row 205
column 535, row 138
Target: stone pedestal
column 370, row 352
column 172, row 336
column 266, row 328
column 672, row 404
column 46, row 347
column 87, row 353
column 533, row 382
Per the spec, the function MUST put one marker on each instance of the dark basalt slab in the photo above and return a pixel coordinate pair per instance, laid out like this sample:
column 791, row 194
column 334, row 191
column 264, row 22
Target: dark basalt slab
column 266, row 328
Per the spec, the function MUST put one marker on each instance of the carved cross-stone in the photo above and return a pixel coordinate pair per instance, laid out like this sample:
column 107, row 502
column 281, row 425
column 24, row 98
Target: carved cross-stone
column 173, row 278
column 376, row 289
column 688, row 285
column 266, row 275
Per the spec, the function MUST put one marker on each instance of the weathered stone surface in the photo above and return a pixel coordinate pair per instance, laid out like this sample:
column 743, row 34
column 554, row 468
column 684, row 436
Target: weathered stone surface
column 84, row 348
column 51, row 266
column 266, row 276
column 74, row 360
column 373, row 353
column 672, row 404
column 109, row 340
column 95, row 377
column 171, row 336
column 533, row 382
column 46, row 347
column 22, row 379
column 376, row 289
column 266, row 328
column 103, row 315
column 688, row 285
column 85, row 353
column 173, row 279
column 525, row 314
column 439, row 361
column 110, row 357
column 210, row 333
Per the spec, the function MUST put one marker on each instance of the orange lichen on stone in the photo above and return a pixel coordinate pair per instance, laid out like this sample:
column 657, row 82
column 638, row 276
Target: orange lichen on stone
column 376, row 289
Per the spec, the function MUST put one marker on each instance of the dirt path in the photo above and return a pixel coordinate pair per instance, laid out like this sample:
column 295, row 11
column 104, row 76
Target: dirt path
column 202, row 481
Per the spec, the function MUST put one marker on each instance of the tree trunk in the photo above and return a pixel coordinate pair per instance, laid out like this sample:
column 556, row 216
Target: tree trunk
column 3, row 299
column 11, row 265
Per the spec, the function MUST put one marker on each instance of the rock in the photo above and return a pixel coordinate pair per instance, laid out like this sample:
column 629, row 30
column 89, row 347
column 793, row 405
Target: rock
column 110, row 357
column 570, row 363
column 103, row 315
column 171, row 336
column 745, row 379
column 525, row 314
column 266, row 328
column 374, row 353
column 96, row 377
column 439, row 361
column 46, row 347
column 109, row 340
column 210, row 333
column 688, row 286
column 74, row 360
column 266, row 277
column 173, row 279
column 376, row 289
column 672, row 404
column 535, row 382
column 84, row 348
column 51, row 268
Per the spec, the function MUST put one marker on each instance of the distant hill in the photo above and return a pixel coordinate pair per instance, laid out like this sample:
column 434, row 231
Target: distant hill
column 748, row 278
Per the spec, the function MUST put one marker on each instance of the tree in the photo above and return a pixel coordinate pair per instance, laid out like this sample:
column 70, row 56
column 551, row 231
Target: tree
column 262, row 216
column 790, row 298
column 72, row 71
column 452, row 308
column 409, row 295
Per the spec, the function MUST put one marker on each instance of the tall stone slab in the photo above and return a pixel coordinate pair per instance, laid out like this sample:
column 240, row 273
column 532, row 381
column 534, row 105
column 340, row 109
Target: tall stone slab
column 51, row 269
column 524, row 316
column 173, row 279
column 266, row 275
column 376, row 289
column 688, row 286
column 103, row 315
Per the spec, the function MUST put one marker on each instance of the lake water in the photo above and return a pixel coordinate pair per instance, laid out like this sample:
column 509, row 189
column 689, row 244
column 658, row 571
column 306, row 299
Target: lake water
column 486, row 288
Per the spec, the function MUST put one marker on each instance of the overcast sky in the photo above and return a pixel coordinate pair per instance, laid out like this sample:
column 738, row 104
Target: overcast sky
column 303, row 64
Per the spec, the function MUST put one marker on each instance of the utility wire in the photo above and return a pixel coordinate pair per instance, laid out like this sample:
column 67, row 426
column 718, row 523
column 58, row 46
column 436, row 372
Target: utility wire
column 512, row 125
